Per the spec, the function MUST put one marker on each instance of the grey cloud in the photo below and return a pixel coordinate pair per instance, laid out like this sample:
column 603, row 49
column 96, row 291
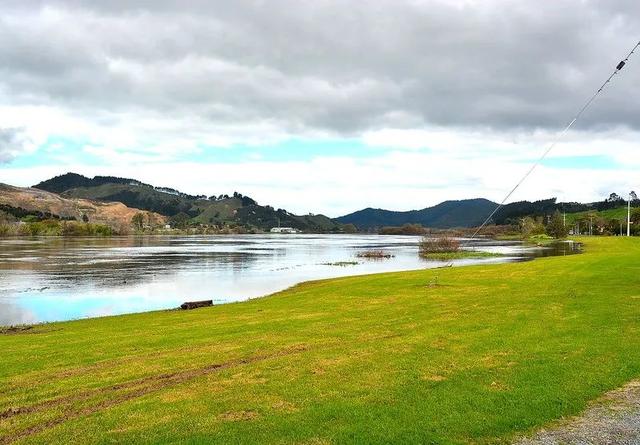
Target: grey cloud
column 326, row 65
column 12, row 142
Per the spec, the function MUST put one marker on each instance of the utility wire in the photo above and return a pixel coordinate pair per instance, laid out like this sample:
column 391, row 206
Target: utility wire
column 555, row 141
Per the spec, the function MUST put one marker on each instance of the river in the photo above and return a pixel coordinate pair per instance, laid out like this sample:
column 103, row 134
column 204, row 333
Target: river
column 52, row 279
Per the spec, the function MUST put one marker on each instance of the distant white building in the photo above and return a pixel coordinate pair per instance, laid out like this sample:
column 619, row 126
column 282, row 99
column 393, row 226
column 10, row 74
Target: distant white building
column 284, row 230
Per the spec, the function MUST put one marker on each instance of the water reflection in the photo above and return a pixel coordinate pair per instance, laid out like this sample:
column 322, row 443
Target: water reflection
column 46, row 279
column 15, row 314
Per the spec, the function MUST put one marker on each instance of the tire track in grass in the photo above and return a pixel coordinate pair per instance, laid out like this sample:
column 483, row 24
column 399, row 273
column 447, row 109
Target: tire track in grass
column 123, row 392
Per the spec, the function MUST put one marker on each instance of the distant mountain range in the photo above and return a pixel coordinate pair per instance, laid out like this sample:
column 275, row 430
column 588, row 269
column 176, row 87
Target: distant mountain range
column 473, row 212
column 222, row 210
column 447, row 214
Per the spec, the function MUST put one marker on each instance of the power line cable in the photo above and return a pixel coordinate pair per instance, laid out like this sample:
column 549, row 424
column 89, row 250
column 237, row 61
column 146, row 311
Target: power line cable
column 620, row 65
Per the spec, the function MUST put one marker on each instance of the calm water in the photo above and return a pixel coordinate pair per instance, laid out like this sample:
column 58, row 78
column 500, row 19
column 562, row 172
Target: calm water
column 48, row 279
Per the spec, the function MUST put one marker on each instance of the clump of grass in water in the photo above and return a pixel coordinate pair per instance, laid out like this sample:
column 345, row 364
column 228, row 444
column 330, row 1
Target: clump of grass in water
column 341, row 263
column 374, row 255
column 541, row 240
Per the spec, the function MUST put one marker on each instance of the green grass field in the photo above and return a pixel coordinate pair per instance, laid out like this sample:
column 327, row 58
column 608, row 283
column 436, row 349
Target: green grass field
column 619, row 213
column 487, row 353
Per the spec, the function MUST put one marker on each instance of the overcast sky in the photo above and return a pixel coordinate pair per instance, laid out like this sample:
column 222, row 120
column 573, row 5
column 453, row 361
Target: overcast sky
column 323, row 106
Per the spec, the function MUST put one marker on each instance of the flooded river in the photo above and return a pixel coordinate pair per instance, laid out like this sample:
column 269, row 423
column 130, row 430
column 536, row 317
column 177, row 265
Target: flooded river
column 50, row 279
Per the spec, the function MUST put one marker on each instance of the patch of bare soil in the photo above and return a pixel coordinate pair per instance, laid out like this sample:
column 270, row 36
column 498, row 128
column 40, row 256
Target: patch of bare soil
column 234, row 416
column 613, row 419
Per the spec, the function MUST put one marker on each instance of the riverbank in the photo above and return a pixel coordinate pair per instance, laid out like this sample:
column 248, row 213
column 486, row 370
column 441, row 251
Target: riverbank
column 475, row 354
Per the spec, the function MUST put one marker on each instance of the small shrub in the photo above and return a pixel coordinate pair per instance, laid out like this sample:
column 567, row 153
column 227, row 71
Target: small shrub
column 30, row 229
column 441, row 244
column 374, row 254
column 85, row 229
column 101, row 230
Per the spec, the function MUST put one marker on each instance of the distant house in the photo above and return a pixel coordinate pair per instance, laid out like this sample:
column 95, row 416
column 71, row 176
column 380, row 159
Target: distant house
column 284, row 230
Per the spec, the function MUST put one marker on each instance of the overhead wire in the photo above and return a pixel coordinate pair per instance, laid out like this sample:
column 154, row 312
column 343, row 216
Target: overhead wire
column 560, row 135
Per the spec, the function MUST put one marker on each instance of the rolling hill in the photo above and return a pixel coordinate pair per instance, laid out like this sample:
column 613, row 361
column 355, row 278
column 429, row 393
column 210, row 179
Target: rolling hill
column 447, row 214
column 617, row 213
column 222, row 210
column 21, row 201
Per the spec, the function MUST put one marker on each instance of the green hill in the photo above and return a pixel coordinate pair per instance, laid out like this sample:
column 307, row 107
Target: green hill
column 614, row 207
column 223, row 210
column 619, row 213
column 143, row 196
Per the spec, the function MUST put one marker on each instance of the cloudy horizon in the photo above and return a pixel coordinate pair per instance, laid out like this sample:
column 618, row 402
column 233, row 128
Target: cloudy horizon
column 324, row 106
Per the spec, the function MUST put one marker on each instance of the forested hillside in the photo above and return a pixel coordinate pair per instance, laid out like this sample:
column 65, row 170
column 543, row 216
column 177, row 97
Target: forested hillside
column 234, row 210
column 447, row 214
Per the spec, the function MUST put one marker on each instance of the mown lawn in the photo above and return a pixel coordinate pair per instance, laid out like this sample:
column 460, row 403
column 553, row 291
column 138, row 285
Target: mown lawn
column 487, row 353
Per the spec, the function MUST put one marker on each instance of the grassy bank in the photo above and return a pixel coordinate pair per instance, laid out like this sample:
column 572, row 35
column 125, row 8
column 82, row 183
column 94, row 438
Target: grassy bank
column 486, row 353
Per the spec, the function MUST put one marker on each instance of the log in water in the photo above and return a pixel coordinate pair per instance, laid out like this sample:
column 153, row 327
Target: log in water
column 196, row 304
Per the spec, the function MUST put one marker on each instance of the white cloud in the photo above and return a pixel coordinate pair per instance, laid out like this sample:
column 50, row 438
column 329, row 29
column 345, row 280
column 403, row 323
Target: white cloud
column 397, row 180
